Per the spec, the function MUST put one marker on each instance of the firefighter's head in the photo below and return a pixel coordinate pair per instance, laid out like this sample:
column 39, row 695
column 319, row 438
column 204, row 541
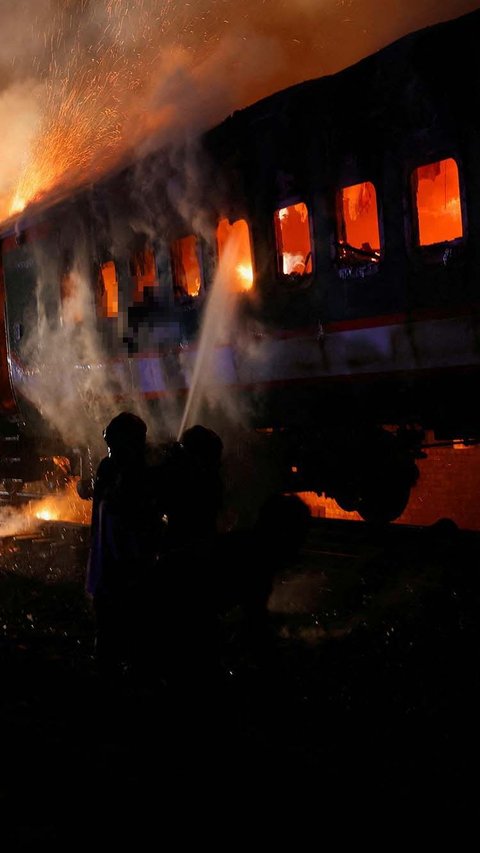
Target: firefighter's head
column 125, row 437
column 203, row 444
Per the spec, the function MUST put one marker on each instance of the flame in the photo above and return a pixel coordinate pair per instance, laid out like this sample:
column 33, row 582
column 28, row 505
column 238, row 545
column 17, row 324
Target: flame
column 46, row 515
column 65, row 506
column 88, row 91
column 245, row 273
column 292, row 231
column 236, row 235
column 18, row 204
column 438, row 202
column 358, row 217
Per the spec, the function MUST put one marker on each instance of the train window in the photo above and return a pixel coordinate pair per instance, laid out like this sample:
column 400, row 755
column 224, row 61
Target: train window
column 143, row 271
column 109, row 289
column 233, row 243
column 187, row 276
column 358, row 240
column 436, row 191
column 294, row 246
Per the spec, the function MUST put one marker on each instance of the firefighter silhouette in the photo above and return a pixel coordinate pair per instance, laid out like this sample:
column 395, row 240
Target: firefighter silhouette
column 193, row 486
column 124, row 543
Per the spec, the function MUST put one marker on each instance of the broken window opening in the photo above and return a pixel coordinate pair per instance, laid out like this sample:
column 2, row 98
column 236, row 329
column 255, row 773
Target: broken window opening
column 294, row 246
column 358, row 234
column 143, row 271
column 187, row 276
column 109, row 289
column 436, row 189
column 234, row 244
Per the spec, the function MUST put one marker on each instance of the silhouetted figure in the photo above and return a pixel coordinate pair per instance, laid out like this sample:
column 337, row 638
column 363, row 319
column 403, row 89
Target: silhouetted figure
column 125, row 543
column 189, row 490
column 192, row 487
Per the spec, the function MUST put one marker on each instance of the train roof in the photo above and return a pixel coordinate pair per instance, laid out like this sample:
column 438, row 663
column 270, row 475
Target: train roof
column 448, row 48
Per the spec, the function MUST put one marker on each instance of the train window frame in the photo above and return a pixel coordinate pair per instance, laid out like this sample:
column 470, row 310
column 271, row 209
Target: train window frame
column 181, row 297
column 444, row 251
column 359, row 270
column 296, row 281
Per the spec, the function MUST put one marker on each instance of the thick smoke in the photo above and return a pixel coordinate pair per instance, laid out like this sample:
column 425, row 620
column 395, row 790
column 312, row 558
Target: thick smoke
column 66, row 378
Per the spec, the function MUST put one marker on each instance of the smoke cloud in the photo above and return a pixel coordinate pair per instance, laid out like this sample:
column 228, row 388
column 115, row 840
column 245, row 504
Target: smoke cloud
column 84, row 83
column 67, row 375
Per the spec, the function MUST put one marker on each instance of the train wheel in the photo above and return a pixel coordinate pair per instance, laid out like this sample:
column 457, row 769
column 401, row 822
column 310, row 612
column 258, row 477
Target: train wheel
column 379, row 505
column 347, row 500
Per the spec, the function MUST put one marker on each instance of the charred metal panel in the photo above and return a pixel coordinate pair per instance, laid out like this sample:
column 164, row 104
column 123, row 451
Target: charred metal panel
column 8, row 404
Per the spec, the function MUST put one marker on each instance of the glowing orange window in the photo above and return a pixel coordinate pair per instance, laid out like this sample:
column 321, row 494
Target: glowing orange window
column 357, row 222
column 109, row 289
column 294, row 247
column 187, row 276
column 143, row 270
column 233, row 242
column 437, row 196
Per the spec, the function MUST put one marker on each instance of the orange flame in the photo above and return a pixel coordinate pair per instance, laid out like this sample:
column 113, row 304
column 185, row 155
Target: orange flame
column 67, row 506
column 88, row 95
column 237, row 235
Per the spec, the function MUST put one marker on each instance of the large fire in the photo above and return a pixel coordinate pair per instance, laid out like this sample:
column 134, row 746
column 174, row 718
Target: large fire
column 104, row 75
column 63, row 506
column 237, row 236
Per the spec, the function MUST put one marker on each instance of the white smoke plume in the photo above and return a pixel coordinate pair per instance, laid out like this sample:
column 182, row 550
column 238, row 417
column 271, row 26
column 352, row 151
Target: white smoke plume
column 67, row 374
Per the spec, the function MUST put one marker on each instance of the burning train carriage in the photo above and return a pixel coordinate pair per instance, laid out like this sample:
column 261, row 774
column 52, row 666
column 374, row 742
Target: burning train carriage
column 353, row 202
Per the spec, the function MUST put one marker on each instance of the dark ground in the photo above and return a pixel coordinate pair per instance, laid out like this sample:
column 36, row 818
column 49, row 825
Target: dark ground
column 369, row 690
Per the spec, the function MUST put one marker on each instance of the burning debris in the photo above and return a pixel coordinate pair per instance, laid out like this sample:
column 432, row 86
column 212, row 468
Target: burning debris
column 66, row 506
